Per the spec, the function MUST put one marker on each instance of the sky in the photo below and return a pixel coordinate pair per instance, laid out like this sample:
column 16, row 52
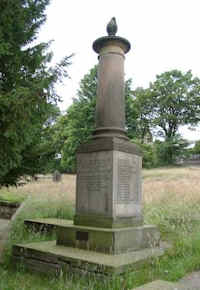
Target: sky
column 164, row 35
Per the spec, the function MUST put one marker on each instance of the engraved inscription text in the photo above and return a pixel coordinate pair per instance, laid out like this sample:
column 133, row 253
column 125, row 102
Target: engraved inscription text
column 126, row 174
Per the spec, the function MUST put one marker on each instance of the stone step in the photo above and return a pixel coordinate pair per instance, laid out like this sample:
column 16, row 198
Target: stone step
column 161, row 285
column 49, row 257
column 45, row 224
column 47, row 221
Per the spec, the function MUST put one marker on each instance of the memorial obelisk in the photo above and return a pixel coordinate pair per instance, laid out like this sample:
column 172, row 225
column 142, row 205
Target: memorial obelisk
column 107, row 234
column 108, row 214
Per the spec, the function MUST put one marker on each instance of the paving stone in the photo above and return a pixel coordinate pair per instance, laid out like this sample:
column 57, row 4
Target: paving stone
column 191, row 281
column 159, row 285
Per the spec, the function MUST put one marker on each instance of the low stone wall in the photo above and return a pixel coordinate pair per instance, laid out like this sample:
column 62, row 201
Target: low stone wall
column 7, row 209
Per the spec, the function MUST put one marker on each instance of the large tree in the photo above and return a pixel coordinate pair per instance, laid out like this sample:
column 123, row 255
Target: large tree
column 27, row 94
column 77, row 124
column 171, row 101
column 175, row 101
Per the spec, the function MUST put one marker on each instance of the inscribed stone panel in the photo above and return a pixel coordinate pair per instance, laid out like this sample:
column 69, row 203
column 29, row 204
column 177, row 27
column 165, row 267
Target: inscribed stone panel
column 128, row 178
column 94, row 182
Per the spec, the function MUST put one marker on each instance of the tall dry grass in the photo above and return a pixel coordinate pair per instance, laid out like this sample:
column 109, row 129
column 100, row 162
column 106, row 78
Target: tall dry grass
column 46, row 189
column 171, row 185
column 168, row 194
column 171, row 198
column 165, row 185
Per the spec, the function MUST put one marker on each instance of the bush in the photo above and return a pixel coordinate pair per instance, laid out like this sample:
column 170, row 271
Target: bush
column 149, row 156
column 167, row 152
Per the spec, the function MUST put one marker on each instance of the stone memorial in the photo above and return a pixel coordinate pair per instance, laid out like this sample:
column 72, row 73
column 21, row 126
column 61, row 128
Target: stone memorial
column 107, row 235
column 108, row 190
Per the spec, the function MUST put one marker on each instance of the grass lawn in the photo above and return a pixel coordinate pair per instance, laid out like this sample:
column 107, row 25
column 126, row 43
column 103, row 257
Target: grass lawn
column 171, row 198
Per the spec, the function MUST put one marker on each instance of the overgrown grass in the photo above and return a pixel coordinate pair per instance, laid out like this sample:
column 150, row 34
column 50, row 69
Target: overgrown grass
column 36, row 207
column 59, row 190
column 171, row 201
column 6, row 195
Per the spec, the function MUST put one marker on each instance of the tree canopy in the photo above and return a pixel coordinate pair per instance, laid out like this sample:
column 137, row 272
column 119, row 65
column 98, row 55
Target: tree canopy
column 175, row 101
column 172, row 100
column 27, row 94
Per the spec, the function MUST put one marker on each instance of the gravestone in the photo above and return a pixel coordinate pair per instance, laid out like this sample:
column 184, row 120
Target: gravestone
column 107, row 235
column 57, row 176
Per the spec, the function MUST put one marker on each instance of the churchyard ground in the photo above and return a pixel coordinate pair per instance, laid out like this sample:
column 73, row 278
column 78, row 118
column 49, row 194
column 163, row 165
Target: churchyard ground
column 171, row 199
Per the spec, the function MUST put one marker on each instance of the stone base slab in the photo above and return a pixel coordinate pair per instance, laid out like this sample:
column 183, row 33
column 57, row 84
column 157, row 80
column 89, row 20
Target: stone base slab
column 109, row 241
column 47, row 257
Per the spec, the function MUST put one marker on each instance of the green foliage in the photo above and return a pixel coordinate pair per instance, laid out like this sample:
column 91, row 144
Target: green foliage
column 27, row 95
column 168, row 151
column 47, row 148
column 143, row 112
column 174, row 100
column 77, row 125
column 171, row 101
column 196, row 149
column 149, row 159
column 163, row 153
column 131, row 113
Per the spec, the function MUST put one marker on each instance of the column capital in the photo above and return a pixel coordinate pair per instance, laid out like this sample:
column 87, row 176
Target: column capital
column 111, row 40
column 104, row 41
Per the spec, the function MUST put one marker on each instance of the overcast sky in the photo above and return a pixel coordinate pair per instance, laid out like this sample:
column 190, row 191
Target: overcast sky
column 164, row 35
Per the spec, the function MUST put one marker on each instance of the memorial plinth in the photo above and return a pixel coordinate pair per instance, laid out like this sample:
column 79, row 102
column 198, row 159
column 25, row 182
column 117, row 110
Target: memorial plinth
column 108, row 184
column 108, row 218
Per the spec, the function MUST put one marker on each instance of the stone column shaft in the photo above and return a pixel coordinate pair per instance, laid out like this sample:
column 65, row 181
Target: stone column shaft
column 110, row 108
column 110, row 112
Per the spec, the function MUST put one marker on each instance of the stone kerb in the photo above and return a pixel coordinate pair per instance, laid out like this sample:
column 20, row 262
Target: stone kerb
column 7, row 209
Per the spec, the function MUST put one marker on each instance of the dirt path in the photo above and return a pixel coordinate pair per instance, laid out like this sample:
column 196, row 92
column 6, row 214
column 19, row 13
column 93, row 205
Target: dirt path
column 4, row 229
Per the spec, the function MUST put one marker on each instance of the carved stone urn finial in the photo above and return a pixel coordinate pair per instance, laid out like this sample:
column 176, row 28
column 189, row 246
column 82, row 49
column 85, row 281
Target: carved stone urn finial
column 112, row 27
